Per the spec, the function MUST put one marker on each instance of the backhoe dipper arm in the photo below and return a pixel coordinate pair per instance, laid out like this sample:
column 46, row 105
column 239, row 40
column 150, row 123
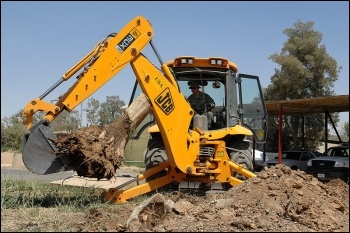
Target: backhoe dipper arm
column 109, row 56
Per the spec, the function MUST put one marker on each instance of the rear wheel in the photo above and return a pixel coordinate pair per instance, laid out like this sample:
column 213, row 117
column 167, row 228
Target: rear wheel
column 241, row 153
column 155, row 152
column 154, row 155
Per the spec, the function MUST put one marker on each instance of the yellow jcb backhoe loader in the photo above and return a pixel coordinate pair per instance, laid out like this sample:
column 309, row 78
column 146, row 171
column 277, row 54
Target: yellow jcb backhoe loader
column 183, row 147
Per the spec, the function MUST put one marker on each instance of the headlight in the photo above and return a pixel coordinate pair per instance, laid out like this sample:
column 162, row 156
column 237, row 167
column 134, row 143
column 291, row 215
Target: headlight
column 339, row 164
column 309, row 163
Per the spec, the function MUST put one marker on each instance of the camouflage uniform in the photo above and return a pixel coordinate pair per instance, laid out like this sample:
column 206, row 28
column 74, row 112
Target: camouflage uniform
column 201, row 104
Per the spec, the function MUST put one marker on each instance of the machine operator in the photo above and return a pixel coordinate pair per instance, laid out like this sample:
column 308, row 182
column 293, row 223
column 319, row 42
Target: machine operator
column 201, row 102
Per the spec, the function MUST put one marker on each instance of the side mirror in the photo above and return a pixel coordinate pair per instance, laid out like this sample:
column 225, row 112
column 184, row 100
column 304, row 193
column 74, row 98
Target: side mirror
column 216, row 84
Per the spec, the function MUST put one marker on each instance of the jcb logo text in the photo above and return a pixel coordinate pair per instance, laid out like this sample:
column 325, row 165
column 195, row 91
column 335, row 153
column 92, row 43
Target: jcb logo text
column 165, row 102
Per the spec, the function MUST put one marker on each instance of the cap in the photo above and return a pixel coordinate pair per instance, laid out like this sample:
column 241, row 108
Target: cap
column 193, row 84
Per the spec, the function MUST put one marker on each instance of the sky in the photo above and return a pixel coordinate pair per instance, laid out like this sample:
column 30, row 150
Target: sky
column 40, row 41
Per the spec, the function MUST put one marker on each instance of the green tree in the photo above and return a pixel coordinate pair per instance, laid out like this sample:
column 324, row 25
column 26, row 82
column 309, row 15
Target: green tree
column 92, row 110
column 345, row 128
column 110, row 110
column 66, row 121
column 12, row 132
column 306, row 71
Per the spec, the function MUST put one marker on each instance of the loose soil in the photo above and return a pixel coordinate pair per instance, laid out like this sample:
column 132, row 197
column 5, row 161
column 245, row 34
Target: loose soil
column 277, row 200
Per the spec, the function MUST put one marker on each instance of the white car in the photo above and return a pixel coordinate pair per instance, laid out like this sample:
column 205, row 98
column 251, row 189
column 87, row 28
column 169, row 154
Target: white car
column 294, row 159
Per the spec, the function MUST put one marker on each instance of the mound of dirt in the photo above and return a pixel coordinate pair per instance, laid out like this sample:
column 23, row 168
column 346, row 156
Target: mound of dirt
column 278, row 199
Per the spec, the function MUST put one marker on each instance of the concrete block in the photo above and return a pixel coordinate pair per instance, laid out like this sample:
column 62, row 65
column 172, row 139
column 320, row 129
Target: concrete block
column 7, row 159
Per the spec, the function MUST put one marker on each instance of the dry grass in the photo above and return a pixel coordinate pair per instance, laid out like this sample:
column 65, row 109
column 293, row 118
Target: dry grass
column 37, row 206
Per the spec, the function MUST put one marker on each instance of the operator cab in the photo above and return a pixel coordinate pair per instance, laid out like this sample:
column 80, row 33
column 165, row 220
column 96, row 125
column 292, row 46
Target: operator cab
column 238, row 98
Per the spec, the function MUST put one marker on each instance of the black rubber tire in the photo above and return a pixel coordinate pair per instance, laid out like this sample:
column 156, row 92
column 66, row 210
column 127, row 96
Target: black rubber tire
column 155, row 152
column 154, row 155
column 243, row 155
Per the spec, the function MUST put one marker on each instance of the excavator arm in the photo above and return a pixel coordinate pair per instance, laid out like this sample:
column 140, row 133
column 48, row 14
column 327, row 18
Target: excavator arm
column 108, row 57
